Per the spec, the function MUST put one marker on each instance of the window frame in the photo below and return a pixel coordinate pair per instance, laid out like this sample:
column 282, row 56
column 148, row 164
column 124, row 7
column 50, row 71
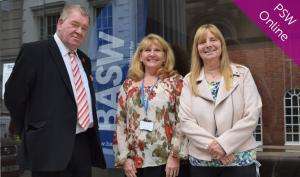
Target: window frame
column 257, row 133
column 42, row 13
column 108, row 29
column 289, row 116
column 47, row 30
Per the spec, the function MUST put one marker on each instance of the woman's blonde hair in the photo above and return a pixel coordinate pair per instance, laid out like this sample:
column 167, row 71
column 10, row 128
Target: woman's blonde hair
column 136, row 71
column 197, row 63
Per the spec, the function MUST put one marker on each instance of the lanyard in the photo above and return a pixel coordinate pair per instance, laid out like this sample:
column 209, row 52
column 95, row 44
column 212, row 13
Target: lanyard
column 144, row 98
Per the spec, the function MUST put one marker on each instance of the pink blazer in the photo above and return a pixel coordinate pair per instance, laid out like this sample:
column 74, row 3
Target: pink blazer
column 230, row 120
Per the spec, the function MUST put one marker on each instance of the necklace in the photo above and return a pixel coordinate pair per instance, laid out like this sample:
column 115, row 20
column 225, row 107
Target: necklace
column 211, row 77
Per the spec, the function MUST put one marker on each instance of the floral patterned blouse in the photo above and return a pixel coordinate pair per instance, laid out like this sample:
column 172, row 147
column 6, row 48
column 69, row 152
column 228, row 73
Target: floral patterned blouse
column 148, row 148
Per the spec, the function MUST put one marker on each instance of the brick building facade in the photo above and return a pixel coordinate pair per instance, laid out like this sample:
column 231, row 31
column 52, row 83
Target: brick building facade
column 274, row 75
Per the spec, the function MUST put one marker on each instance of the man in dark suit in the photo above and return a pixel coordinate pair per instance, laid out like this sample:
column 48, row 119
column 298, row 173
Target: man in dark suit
column 51, row 99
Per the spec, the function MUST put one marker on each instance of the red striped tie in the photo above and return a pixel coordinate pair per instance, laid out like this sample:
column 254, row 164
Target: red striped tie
column 81, row 97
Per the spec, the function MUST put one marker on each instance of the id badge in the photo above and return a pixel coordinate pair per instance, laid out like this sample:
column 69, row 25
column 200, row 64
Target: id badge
column 146, row 125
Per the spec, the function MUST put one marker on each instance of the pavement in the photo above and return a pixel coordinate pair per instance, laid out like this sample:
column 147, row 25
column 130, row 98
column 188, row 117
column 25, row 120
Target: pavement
column 275, row 162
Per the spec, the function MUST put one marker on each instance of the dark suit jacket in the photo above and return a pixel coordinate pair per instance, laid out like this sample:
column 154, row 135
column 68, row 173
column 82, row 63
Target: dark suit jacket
column 40, row 98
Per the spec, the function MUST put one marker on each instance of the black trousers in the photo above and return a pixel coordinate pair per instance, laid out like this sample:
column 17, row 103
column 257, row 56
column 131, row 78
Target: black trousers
column 80, row 163
column 245, row 171
column 159, row 171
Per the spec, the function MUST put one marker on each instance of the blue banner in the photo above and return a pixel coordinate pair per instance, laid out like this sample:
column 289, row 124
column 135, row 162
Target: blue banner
column 113, row 41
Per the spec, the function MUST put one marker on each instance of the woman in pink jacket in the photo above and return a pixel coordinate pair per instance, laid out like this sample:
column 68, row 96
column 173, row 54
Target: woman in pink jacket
column 219, row 110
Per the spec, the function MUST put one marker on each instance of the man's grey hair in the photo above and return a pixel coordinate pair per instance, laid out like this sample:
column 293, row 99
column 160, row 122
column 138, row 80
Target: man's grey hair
column 70, row 7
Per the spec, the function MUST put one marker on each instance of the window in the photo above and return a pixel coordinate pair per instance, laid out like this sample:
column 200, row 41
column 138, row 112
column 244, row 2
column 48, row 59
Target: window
column 48, row 25
column 4, row 123
column 292, row 116
column 258, row 132
column 104, row 21
column 46, row 16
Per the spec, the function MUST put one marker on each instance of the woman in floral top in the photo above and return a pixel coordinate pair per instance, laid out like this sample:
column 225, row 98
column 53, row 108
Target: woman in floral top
column 147, row 141
column 219, row 110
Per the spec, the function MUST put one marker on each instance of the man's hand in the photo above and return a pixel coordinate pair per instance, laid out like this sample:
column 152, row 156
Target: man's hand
column 172, row 167
column 215, row 150
column 129, row 168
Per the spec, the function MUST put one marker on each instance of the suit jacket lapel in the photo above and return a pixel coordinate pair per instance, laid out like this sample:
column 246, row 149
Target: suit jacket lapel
column 58, row 60
column 83, row 62
column 223, row 93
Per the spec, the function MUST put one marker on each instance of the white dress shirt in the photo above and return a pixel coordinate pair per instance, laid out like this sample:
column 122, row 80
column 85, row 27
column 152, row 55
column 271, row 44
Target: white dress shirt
column 64, row 52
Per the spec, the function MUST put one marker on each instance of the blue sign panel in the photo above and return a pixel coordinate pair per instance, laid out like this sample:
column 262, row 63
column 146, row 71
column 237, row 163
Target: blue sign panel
column 112, row 44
